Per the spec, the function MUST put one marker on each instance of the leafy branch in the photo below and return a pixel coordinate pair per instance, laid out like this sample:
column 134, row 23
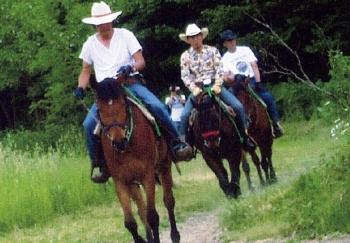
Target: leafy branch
column 279, row 68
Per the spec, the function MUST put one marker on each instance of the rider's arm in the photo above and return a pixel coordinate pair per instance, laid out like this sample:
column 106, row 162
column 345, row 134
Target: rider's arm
column 256, row 71
column 187, row 77
column 218, row 66
column 84, row 75
column 139, row 61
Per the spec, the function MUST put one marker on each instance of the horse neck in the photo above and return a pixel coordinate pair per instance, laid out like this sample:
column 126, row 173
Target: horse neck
column 254, row 109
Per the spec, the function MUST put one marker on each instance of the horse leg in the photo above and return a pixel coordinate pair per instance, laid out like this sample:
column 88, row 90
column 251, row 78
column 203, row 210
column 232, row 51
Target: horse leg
column 123, row 193
column 169, row 200
column 152, row 215
column 272, row 170
column 246, row 169
column 257, row 164
column 234, row 163
column 215, row 164
column 136, row 195
column 266, row 163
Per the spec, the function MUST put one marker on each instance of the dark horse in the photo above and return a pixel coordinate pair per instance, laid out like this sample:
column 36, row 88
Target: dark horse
column 135, row 155
column 260, row 129
column 216, row 136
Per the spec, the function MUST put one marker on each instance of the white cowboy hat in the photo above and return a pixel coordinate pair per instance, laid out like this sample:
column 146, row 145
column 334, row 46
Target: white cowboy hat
column 193, row 29
column 101, row 14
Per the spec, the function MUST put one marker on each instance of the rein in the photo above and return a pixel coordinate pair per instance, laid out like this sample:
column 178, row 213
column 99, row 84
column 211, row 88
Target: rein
column 129, row 129
column 223, row 108
column 257, row 97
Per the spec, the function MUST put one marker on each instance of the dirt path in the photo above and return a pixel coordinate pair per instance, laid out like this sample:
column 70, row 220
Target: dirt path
column 199, row 228
column 204, row 228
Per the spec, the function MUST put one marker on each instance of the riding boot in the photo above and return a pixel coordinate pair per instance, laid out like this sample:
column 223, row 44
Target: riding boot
column 181, row 150
column 99, row 161
column 277, row 130
column 248, row 144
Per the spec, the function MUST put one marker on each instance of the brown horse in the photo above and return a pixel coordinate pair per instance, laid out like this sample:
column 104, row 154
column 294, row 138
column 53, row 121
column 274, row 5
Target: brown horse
column 135, row 155
column 260, row 130
column 215, row 135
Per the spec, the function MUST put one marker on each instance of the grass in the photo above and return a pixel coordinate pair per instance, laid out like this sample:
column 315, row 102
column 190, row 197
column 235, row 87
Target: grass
column 49, row 198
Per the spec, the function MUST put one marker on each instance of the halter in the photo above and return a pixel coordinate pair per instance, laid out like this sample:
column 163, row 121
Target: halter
column 222, row 108
column 128, row 128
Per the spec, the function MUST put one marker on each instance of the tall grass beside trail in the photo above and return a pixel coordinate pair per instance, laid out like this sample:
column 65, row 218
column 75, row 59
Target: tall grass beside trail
column 314, row 204
column 36, row 187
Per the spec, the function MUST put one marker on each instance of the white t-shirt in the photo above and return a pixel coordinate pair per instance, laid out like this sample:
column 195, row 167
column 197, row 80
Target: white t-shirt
column 239, row 61
column 107, row 61
column 176, row 107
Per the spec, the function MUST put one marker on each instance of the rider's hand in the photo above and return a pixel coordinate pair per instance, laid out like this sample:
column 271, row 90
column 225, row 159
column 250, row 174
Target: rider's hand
column 259, row 87
column 197, row 91
column 126, row 70
column 79, row 93
column 216, row 89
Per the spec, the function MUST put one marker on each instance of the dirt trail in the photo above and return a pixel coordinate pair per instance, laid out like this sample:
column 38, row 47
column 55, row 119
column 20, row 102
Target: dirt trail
column 204, row 228
column 199, row 228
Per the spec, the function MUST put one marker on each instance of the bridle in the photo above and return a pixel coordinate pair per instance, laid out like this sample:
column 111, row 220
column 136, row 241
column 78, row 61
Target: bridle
column 127, row 127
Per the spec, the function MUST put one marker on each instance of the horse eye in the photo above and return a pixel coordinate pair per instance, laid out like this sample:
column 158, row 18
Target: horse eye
column 110, row 102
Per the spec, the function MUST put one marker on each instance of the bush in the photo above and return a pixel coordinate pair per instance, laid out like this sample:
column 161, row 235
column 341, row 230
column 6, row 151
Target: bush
column 295, row 101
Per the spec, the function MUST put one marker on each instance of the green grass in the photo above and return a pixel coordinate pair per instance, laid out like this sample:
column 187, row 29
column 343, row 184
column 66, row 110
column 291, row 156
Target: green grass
column 49, row 197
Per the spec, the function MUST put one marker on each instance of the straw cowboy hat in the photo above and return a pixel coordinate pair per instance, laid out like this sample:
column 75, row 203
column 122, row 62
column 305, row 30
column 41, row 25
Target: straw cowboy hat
column 193, row 29
column 101, row 14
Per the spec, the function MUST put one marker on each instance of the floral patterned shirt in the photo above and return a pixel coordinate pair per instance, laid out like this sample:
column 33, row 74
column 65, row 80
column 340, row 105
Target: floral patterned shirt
column 200, row 67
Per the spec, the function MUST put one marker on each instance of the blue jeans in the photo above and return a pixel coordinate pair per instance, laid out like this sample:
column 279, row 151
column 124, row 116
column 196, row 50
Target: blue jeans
column 269, row 101
column 177, row 125
column 89, row 126
column 155, row 106
column 226, row 96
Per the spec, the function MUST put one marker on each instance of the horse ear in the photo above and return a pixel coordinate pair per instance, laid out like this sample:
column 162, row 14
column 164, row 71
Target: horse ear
column 93, row 81
column 247, row 80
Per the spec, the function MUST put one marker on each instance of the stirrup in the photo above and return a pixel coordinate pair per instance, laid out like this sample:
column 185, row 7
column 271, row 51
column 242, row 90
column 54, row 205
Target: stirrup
column 101, row 177
column 249, row 145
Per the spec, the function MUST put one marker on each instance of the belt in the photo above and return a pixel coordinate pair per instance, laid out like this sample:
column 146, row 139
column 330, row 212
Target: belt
column 134, row 79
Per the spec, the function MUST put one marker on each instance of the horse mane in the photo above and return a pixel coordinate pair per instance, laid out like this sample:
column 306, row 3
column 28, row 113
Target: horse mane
column 108, row 89
column 239, row 84
column 205, row 102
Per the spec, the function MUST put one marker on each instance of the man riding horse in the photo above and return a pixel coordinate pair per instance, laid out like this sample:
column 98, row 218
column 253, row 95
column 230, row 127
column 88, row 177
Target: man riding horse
column 241, row 60
column 201, row 64
column 108, row 52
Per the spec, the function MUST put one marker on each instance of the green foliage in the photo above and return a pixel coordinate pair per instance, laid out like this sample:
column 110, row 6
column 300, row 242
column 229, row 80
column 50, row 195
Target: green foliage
column 48, row 196
column 62, row 139
column 336, row 109
column 319, row 201
column 40, row 42
column 39, row 186
column 312, row 202
column 295, row 101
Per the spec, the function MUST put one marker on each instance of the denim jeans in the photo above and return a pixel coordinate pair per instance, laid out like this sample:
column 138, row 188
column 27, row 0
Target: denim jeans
column 89, row 124
column 155, row 106
column 226, row 96
column 269, row 101
column 177, row 125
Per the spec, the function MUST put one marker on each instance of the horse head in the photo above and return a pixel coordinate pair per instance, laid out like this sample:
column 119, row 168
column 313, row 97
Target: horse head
column 112, row 111
column 208, row 121
column 240, row 84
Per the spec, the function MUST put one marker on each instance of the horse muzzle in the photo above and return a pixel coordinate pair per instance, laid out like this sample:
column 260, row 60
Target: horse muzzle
column 120, row 146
